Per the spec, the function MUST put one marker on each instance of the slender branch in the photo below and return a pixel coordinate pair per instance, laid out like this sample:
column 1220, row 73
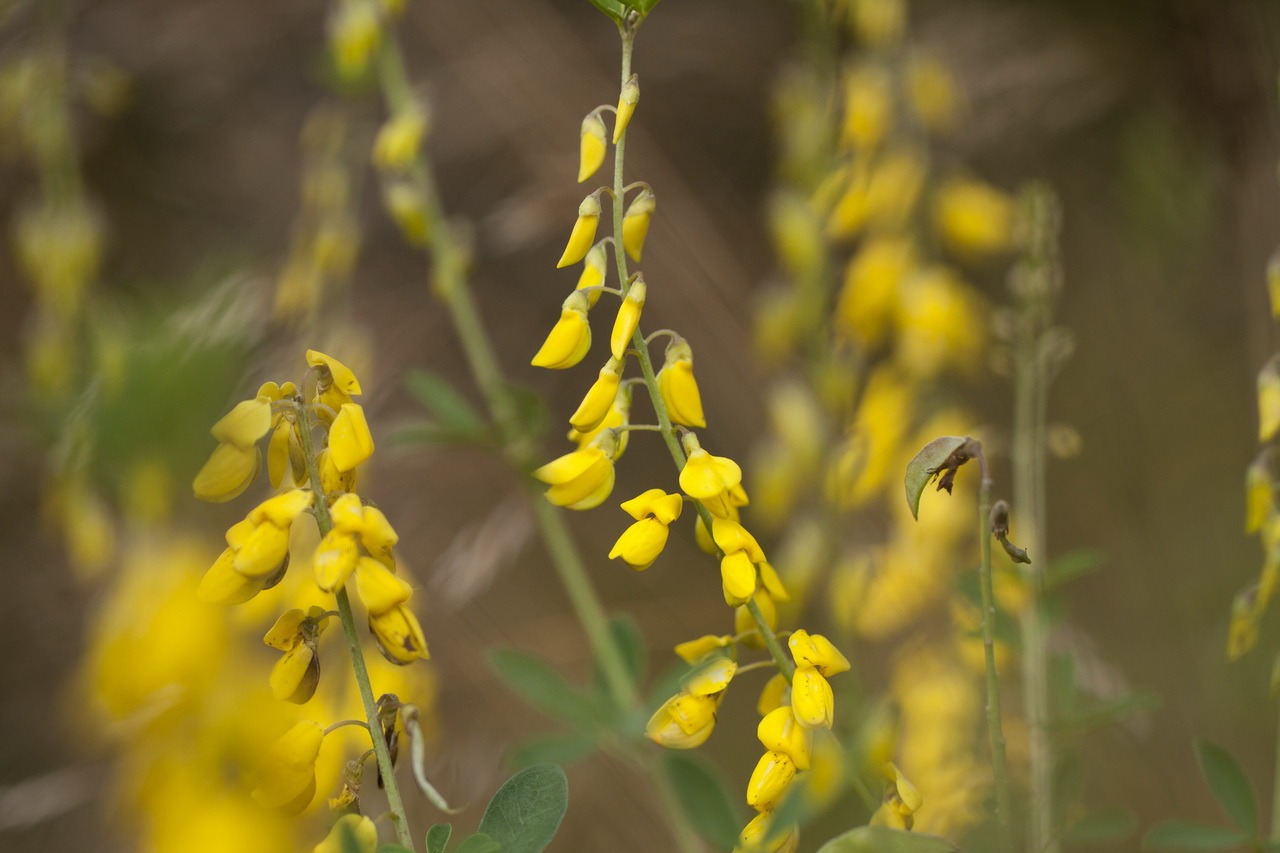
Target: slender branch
column 325, row 523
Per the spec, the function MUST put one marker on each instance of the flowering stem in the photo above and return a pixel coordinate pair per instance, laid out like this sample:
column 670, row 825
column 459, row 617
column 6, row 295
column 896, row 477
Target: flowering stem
column 994, row 730
column 325, row 523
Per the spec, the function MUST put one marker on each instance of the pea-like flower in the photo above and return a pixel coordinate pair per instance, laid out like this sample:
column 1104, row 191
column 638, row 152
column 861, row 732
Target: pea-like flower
column 760, row 836
column 584, row 231
column 684, row 721
column 257, row 553
column 347, row 829
column 901, row 801
column 738, row 574
column 811, row 697
column 288, row 780
column 399, row 139
column 297, row 673
column 694, row 651
column 641, row 543
column 354, row 526
column 591, row 146
column 399, row 635
column 237, row 460
column 678, row 387
column 350, row 442
column 628, row 317
column 570, row 338
column 780, row 731
column 584, row 478
column 635, row 223
column 817, row 651
column 338, row 383
column 774, row 772
column 595, row 406
column 592, row 276
column 705, row 476
column 619, row 416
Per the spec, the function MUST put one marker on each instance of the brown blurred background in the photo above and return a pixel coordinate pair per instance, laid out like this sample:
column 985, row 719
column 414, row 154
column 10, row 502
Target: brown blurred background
column 1154, row 120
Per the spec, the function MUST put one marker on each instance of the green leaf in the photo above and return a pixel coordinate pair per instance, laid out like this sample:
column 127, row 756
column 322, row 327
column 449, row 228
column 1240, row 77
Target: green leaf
column 667, row 684
column 1070, row 566
column 525, row 813
column 925, row 466
column 479, row 843
column 630, row 643
column 612, row 8
column 559, row 749
column 703, row 797
column 644, row 7
column 453, row 419
column 1183, row 835
column 882, row 839
column 1100, row 827
column 1230, row 786
column 438, row 837
column 544, row 688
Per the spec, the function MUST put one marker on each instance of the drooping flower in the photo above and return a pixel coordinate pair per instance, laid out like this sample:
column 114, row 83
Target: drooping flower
column 584, row 231
column 288, row 780
column 570, row 338
column 583, row 478
column 684, row 721
column 297, row 673
column 901, row 801
column 399, row 635
column 678, row 387
column 811, row 697
column 591, row 146
column 635, row 223
column 348, row 829
column 628, row 317
column 627, row 100
column 599, row 398
column 773, row 773
column 705, row 476
column 641, row 543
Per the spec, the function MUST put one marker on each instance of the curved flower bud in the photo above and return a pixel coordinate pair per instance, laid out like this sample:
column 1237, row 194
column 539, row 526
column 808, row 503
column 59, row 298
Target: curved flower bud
column 811, row 697
column 731, row 537
column 379, row 537
column 378, row 588
column 246, row 424
column 584, row 231
column 399, row 635
column 222, row 584
column 591, row 146
column 693, row 651
column 570, row 338
column 264, row 552
column 581, row 479
column 678, row 387
column 357, row 828
column 780, row 731
column 593, row 273
column 683, row 722
column 289, row 776
column 705, row 476
column 282, row 509
column 817, row 651
column 901, row 801
column 619, row 416
column 599, row 398
column 628, row 317
column 711, row 676
column 737, row 578
column 627, row 100
column 228, row 473
column 635, row 223
column 347, row 514
column 770, row 779
column 280, row 452
column 350, row 442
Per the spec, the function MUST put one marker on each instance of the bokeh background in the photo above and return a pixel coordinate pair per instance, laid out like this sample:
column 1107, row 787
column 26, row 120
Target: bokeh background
column 1155, row 121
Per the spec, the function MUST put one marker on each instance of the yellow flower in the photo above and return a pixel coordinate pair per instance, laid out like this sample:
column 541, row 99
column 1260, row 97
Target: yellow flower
column 245, row 424
column 333, row 481
column 1269, row 400
column 705, row 476
column 399, row 635
column 684, row 721
column 599, row 398
column 297, row 673
column 643, row 541
column 350, row 442
column 335, row 559
column 894, row 188
column 228, row 473
column 354, row 35
column 811, row 697
column 222, row 584
column 871, row 285
column 289, row 776
column 408, row 209
column 974, row 218
column 570, row 338
column 627, row 100
column 817, row 651
column 628, row 318
column 901, row 801
column 770, row 779
column 346, row 829
column 773, row 694
column 678, row 387
column 584, row 231
column 378, row 588
column 399, row 139
column 1259, row 493
column 581, row 479
column 263, row 552
column 591, row 146
column 941, row 325
column 593, row 272
column 635, row 224
column 759, row 836
column 378, row 536
column 619, row 416
column 693, row 651
column 710, row 676
column 780, row 731
column 737, row 578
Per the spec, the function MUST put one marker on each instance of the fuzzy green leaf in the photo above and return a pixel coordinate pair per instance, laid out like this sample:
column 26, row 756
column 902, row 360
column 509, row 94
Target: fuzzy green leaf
column 544, row 688
column 1100, row 827
column 479, row 843
column 1184, row 835
column 703, row 797
column 438, row 837
column 882, row 839
column 525, row 813
column 925, row 465
column 1230, row 786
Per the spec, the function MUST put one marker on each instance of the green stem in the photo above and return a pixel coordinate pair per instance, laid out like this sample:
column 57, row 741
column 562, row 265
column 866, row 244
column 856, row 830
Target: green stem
column 995, row 732
column 394, row 803
column 1275, row 792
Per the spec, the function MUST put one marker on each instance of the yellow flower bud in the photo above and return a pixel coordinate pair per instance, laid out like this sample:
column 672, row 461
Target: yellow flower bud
column 678, row 387
column 296, row 674
column 811, row 697
column 1259, row 493
column 974, row 218
column 780, row 731
column 593, row 273
column 279, row 452
column 227, row 474
column 737, row 578
column 347, row 513
column 683, row 722
column 350, row 442
column 710, row 676
column 817, row 651
column 703, row 536
column 399, row 139
column 772, row 583
column 591, row 146
column 901, row 801
column 628, row 318
column 378, row 588
column 693, row 651
column 335, row 559
column 770, row 779
column 773, row 693
column 333, row 481
column 744, row 624
column 264, row 552
column 355, row 827
column 627, row 100
column 599, row 399
column 584, row 232
column 354, row 34
column 399, row 635
column 245, row 424
column 619, row 416
column 570, row 338
column 1269, row 400
column 705, row 476
column 581, row 479
column 635, row 224
column 289, row 776
column 641, row 543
